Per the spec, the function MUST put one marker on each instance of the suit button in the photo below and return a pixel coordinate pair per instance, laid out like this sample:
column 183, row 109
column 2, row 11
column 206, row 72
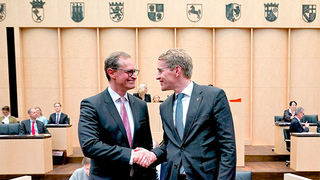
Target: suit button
column 176, row 166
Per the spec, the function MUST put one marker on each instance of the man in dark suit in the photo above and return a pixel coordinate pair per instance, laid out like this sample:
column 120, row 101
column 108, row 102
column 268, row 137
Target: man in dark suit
column 295, row 125
column 32, row 126
column 114, row 128
column 58, row 117
column 199, row 141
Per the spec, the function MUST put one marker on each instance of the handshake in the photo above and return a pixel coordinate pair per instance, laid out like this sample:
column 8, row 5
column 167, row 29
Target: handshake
column 143, row 157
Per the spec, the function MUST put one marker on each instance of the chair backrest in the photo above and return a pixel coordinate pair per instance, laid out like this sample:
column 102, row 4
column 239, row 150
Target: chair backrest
column 311, row 118
column 9, row 129
column 287, row 137
column 277, row 118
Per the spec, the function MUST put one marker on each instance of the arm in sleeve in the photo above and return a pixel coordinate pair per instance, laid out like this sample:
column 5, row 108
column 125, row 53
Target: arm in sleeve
column 225, row 136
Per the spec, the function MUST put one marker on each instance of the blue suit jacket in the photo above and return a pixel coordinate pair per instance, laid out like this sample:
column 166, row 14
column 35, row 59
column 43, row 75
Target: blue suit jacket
column 64, row 119
column 296, row 126
column 103, row 137
column 208, row 149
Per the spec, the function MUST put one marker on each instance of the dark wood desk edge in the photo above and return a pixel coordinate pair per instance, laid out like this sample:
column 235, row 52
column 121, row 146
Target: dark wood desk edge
column 58, row 126
column 288, row 124
column 305, row 134
column 40, row 136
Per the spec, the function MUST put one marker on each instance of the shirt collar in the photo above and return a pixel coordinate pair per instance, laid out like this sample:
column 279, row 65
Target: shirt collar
column 188, row 90
column 114, row 95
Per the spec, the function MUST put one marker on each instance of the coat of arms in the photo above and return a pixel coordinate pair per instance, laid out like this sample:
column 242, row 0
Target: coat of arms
column 271, row 11
column 155, row 12
column 2, row 11
column 116, row 11
column 309, row 12
column 37, row 10
column 77, row 11
column 233, row 11
column 194, row 12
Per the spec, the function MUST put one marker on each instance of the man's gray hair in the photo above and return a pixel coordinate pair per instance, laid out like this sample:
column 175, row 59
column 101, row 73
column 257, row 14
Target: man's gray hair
column 298, row 110
column 178, row 57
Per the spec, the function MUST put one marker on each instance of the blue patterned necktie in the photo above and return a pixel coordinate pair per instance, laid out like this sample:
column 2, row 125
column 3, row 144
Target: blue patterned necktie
column 179, row 116
column 178, row 121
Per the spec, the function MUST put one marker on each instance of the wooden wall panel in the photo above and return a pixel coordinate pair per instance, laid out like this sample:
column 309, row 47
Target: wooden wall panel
column 269, row 82
column 40, row 69
column 4, row 76
column 115, row 39
column 199, row 44
column 305, row 65
column 79, row 70
column 153, row 42
column 233, row 70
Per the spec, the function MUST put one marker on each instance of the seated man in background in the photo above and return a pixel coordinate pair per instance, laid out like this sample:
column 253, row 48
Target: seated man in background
column 32, row 126
column 6, row 118
column 82, row 173
column 295, row 125
column 58, row 117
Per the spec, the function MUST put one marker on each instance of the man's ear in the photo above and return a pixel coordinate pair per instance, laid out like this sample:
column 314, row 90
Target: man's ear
column 178, row 70
column 111, row 73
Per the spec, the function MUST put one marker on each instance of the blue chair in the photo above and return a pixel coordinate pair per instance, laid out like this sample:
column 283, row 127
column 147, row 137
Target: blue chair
column 243, row 175
column 9, row 129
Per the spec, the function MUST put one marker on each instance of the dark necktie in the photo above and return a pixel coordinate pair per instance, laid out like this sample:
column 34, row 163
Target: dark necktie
column 57, row 121
column 33, row 131
column 125, row 119
column 179, row 116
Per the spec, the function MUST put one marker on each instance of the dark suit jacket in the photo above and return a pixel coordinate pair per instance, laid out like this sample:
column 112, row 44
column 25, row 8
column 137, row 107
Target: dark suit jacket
column 64, row 119
column 103, row 137
column 25, row 127
column 296, row 126
column 147, row 97
column 208, row 149
column 286, row 115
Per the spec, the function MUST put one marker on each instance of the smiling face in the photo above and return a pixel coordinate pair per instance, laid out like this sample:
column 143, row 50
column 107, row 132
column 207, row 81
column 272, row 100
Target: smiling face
column 5, row 112
column 121, row 82
column 165, row 76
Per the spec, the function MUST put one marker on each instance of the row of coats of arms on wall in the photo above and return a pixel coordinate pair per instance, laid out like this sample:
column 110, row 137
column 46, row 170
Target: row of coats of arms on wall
column 155, row 11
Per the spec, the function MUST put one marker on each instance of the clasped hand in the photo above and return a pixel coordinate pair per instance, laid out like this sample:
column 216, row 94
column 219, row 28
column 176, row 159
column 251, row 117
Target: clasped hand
column 143, row 157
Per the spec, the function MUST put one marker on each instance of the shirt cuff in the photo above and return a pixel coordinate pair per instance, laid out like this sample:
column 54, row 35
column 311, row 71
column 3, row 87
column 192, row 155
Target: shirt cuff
column 131, row 158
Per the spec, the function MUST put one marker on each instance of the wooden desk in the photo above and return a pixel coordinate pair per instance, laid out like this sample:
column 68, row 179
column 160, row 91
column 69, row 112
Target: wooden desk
column 237, row 109
column 155, row 121
column 304, row 151
column 279, row 143
column 25, row 154
column 61, row 137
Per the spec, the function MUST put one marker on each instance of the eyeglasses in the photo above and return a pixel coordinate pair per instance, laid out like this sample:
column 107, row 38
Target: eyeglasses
column 130, row 72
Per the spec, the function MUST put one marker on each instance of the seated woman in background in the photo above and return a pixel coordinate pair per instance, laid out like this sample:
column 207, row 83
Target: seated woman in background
column 156, row 99
column 7, row 118
column 142, row 93
column 288, row 114
column 40, row 117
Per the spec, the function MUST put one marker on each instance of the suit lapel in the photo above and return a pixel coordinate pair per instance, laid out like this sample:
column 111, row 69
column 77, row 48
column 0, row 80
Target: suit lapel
column 135, row 113
column 111, row 107
column 28, row 127
column 195, row 101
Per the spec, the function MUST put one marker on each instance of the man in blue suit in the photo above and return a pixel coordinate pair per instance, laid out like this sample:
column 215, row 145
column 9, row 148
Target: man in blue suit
column 199, row 141
column 295, row 125
column 114, row 128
